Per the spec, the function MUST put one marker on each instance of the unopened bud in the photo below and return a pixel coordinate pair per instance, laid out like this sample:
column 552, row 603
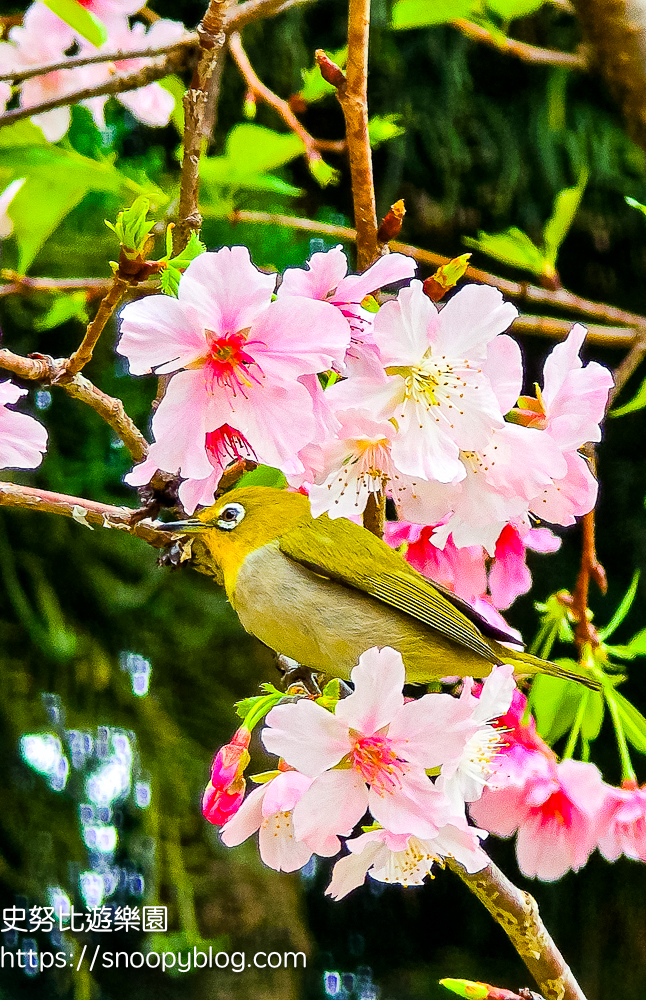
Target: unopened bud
column 330, row 72
column 249, row 106
column 297, row 104
column 392, row 222
column 446, row 277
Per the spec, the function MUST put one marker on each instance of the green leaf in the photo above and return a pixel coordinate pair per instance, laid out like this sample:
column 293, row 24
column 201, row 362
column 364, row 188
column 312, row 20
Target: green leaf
column 424, row 13
column 636, row 204
column 264, row 475
column 510, row 9
column 554, row 703
column 176, row 89
column 466, row 988
column 633, row 722
column 511, row 247
column 84, row 22
column 22, row 133
column 322, row 172
column 636, row 647
column 558, row 226
column 170, row 276
column 257, row 149
column 638, row 402
column 63, row 309
column 132, row 228
column 250, row 151
column 592, row 716
column 623, row 609
column 382, row 128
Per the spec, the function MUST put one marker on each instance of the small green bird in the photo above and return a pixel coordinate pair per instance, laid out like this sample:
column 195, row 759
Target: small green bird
column 323, row 591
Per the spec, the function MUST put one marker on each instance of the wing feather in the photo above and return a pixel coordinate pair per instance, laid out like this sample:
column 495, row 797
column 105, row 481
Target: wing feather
column 342, row 551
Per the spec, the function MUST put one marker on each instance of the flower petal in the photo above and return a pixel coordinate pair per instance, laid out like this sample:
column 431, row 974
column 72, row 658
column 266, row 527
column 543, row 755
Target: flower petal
column 332, row 805
column 226, row 289
column 378, row 680
column 160, row 331
column 307, row 736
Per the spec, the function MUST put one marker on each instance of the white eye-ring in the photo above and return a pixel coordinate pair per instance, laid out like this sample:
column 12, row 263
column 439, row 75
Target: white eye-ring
column 231, row 516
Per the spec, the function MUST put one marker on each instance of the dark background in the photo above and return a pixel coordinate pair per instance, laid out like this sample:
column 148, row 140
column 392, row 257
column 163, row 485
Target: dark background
column 489, row 142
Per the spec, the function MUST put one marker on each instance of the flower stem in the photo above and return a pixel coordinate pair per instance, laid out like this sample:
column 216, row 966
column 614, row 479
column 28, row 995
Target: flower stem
column 627, row 771
column 576, row 727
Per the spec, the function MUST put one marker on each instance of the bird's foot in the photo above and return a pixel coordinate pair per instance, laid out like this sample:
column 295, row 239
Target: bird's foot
column 295, row 675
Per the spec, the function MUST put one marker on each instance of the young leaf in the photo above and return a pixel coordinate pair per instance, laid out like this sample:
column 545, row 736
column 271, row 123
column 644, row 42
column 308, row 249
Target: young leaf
column 636, row 647
column 83, row 21
column 382, row 128
column 423, row 13
column 633, row 722
column 623, row 609
column 636, row 204
column 322, row 172
column 592, row 716
column 511, row 247
column 557, row 227
column 638, row 402
column 510, row 9
column 63, row 309
column 554, row 703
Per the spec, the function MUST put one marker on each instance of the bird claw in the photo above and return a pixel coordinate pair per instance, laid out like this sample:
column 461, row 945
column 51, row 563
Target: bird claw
column 294, row 674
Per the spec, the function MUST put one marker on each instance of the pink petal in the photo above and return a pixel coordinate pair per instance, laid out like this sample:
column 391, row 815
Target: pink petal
column 159, row 331
column 226, row 289
column 425, row 449
column 405, row 328
column 246, row 820
column 23, row 440
column 299, row 337
column 195, row 493
column 284, row 791
column 432, row 730
column 386, row 270
column 152, row 105
column 279, row 848
column 10, row 392
column 322, row 274
column 276, row 418
column 416, row 806
column 471, row 318
column 307, row 736
column 350, row 871
column 333, row 805
column 504, row 368
column 179, row 426
column 561, row 360
column 377, row 697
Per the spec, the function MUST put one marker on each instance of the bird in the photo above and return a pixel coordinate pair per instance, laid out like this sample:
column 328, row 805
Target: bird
column 321, row 591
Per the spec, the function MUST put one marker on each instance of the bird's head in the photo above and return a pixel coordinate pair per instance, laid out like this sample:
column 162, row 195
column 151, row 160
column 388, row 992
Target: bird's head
column 243, row 520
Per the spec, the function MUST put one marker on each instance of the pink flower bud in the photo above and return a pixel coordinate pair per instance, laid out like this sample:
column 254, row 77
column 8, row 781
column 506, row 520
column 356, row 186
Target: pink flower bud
column 219, row 805
column 225, row 791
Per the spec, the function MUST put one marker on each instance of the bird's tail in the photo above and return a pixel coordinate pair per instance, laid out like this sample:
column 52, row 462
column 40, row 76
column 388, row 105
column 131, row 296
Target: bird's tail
column 525, row 663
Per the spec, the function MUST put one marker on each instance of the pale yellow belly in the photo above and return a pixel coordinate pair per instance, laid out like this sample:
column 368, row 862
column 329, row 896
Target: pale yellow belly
column 326, row 626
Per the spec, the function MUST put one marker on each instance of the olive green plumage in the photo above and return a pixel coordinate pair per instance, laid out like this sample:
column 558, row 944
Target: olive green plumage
column 322, row 591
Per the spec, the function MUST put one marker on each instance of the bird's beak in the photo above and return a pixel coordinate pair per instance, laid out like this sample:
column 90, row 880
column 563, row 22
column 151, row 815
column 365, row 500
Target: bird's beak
column 176, row 527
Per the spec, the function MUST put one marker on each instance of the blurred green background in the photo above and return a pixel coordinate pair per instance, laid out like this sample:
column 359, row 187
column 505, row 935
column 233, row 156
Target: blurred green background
column 486, row 142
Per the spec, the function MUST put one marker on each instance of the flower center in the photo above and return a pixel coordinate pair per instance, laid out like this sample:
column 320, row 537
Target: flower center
column 376, row 761
column 229, row 365
column 227, row 443
column 434, row 381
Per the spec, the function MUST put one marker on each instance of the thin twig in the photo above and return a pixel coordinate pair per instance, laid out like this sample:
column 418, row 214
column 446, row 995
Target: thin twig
column 109, row 303
column 212, row 49
column 521, row 50
column 522, row 291
column 619, row 337
column 517, row 913
column 260, row 90
column 94, row 288
column 629, row 365
column 352, row 93
column 119, row 83
column 86, row 512
column 118, row 55
column 258, row 10
column 591, row 569
column 374, row 515
column 49, row 372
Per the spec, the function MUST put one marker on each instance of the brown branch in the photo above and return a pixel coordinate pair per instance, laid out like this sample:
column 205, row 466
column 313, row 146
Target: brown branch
column 521, row 50
column 619, row 337
column 352, row 94
column 258, row 10
column 118, row 55
column 374, row 515
column 628, row 366
column 522, row 291
column 46, row 371
column 261, row 91
column 591, row 569
column 86, row 512
column 212, row 41
column 94, row 288
column 517, row 913
column 109, row 303
column 117, row 84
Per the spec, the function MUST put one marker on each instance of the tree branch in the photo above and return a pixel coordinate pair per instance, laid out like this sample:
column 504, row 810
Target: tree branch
column 118, row 84
column 258, row 10
column 591, row 569
column 86, row 512
column 521, row 50
column 629, row 326
column 212, row 40
column 46, row 371
column 19, row 76
column 517, row 913
column 109, row 303
column 260, row 90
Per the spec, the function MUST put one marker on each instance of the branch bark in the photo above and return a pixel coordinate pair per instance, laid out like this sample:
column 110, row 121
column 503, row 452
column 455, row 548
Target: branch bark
column 86, row 512
column 109, row 303
column 521, row 50
column 517, row 913
column 212, row 41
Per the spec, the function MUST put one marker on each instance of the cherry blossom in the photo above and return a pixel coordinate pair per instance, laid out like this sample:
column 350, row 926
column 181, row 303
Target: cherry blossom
column 23, row 440
column 225, row 791
column 236, row 359
column 383, row 747
column 623, row 822
column 436, row 382
column 398, row 858
column 462, row 570
column 6, row 197
column 269, row 809
column 556, row 811
column 509, row 574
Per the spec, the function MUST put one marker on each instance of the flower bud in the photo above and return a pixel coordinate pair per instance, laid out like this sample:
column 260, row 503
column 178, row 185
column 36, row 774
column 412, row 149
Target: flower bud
column 225, row 791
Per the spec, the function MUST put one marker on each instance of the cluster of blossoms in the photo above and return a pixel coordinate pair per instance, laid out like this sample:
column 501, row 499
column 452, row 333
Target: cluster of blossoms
column 560, row 811
column 422, row 402
column 366, row 760
column 44, row 38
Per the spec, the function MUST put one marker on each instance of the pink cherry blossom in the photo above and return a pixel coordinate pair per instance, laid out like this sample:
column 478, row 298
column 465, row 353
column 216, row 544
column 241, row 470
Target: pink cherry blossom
column 436, row 382
column 623, row 822
column 269, row 809
column 509, row 575
column 461, row 570
column 398, row 858
column 556, row 811
column 111, row 11
column 23, row 441
column 383, row 747
column 238, row 358
column 225, row 791
column 325, row 277
column 6, row 197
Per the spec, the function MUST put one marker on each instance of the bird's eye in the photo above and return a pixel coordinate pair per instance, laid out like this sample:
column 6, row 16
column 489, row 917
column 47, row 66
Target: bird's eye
column 230, row 516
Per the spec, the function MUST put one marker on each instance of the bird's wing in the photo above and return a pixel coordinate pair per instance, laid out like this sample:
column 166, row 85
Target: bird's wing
column 344, row 552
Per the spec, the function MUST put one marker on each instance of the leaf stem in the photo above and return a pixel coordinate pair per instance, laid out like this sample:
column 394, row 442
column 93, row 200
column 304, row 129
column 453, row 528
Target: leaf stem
column 627, row 770
column 576, row 726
